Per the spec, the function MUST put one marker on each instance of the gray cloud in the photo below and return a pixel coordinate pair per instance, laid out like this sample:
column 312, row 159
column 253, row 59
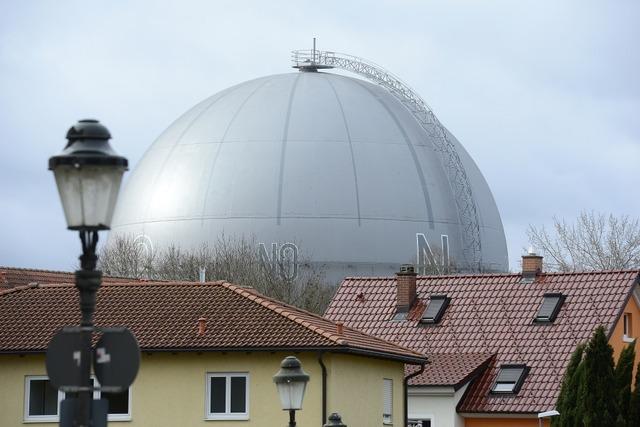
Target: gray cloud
column 543, row 94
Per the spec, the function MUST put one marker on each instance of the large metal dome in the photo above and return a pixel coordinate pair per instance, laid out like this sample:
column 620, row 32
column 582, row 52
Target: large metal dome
column 335, row 164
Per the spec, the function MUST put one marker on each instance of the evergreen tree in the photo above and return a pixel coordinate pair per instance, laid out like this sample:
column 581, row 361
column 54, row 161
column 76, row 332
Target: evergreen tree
column 634, row 412
column 596, row 397
column 624, row 377
column 567, row 400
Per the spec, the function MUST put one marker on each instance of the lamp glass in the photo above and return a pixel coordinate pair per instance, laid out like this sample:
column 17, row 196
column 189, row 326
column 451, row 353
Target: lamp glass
column 291, row 394
column 88, row 194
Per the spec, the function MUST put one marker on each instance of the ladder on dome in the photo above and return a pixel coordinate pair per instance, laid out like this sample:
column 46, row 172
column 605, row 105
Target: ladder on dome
column 313, row 60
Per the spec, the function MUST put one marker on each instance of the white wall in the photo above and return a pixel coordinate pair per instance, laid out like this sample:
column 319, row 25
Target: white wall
column 437, row 404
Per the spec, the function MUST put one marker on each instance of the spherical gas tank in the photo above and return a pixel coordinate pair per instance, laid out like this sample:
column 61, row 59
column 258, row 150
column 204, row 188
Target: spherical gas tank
column 336, row 165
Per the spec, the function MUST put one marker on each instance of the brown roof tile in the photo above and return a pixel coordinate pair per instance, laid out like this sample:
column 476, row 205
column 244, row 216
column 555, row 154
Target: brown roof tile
column 164, row 316
column 491, row 314
column 11, row 277
column 450, row 369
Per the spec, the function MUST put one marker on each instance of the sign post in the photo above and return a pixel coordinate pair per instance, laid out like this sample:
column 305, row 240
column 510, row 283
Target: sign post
column 116, row 360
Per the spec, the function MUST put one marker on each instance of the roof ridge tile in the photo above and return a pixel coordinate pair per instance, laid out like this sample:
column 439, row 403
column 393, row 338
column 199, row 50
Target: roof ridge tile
column 280, row 308
column 19, row 288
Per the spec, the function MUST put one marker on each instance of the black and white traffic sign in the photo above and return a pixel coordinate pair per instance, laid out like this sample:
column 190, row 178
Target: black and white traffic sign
column 116, row 359
column 64, row 356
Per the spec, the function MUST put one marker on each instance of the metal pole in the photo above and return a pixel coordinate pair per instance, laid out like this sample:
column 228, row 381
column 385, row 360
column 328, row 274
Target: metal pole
column 314, row 50
column 292, row 418
column 88, row 281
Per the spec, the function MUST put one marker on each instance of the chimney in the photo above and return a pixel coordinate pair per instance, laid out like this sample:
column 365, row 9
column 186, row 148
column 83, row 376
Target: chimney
column 339, row 328
column 202, row 326
column 203, row 274
column 531, row 266
column 405, row 288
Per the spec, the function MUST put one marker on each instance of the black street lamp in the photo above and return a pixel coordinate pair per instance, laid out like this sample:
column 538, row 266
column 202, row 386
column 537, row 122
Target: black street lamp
column 88, row 174
column 291, row 382
column 335, row 420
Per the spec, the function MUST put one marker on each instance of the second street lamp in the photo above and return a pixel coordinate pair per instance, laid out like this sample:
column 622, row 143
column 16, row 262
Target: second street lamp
column 88, row 174
column 291, row 382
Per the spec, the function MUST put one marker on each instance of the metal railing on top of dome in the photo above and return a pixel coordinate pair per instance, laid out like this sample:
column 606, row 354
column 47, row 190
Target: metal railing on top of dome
column 312, row 60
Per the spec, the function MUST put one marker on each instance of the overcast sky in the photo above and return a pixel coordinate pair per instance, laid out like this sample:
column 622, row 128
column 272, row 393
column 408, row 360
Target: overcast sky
column 544, row 94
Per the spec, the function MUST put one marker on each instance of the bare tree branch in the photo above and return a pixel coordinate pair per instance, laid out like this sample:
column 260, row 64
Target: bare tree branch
column 594, row 242
column 235, row 260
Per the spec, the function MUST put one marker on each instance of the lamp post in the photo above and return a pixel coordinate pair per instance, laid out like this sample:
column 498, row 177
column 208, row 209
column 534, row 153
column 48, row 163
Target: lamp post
column 291, row 382
column 88, row 174
column 335, row 420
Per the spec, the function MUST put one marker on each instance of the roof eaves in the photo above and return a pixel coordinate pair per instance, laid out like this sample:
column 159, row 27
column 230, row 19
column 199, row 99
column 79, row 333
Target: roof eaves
column 474, row 374
column 487, row 363
column 324, row 349
column 630, row 294
column 484, row 414
column 337, row 339
column 412, row 360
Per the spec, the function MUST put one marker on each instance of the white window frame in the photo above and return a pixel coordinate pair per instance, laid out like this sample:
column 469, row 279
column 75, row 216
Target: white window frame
column 27, row 394
column 227, row 415
column 97, row 394
column 387, row 419
column 61, row 395
column 627, row 329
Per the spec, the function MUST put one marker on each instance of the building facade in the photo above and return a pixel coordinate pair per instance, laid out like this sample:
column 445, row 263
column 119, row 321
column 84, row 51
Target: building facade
column 209, row 352
column 498, row 345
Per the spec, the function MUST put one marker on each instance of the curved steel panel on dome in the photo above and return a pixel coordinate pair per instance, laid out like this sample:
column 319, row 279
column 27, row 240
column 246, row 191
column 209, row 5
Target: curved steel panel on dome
column 333, row 163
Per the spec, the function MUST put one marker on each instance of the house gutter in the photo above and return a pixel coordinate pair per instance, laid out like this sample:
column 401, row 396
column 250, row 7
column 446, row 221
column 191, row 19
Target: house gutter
column 324, row 388
column 410, row 360
column 406, row 392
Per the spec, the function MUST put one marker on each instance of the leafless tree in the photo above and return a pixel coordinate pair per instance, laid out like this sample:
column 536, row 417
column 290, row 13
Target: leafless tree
column 594, row 242
column 126, row 257
column 236, row 260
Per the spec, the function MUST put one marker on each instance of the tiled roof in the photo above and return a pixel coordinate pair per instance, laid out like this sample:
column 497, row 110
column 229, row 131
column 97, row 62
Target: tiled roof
column 164, row 316
column 11, row 277
column 492, row 314
column 450, row 369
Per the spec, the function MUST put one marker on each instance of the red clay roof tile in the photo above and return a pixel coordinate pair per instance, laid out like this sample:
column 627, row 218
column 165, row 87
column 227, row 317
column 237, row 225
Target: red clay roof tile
column 490, row 314
column 164, row 316
column 11, row 277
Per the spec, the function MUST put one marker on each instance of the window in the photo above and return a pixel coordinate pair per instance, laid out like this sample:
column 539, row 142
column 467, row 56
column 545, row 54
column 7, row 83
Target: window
column 627, row 327
column 435, row 309
column 419, row 423
column 42, row 401
column 549, row 308
column 510, row 379
column 387, row 401
column 119, row 403
column 227, row 396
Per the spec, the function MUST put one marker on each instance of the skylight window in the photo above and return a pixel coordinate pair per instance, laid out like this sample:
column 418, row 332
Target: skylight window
column 550, row 307
column 401, row 315
column 435, row 309
column 510, row 379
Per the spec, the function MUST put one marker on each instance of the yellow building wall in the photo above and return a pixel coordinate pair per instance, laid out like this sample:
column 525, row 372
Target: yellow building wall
column 170, row 389
column 617, row 341
column 355, row 389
